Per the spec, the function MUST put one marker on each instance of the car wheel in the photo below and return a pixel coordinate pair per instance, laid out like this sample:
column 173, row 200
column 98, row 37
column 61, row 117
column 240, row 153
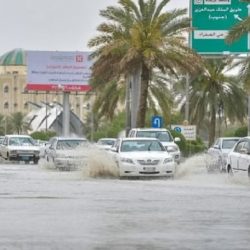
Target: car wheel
column 35, row 161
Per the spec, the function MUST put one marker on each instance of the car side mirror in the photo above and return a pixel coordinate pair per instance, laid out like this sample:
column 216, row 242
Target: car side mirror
column 216, row 147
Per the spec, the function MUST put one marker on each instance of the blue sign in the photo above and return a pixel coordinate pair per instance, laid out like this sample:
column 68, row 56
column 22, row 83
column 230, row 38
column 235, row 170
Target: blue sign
column 177, row 129
column 157, row 122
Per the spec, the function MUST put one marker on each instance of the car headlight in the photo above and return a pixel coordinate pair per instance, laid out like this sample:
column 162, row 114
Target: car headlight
column 172, row 148
column 168, row 160
column 127, row 160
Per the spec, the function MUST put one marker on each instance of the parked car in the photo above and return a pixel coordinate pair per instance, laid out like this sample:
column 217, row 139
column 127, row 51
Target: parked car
column 163, row 135
column 239, row 157
column 1, row 143
column 20, row 148
column 218, row 153
column 67, row 153
column 105, row 143
column 142, row 157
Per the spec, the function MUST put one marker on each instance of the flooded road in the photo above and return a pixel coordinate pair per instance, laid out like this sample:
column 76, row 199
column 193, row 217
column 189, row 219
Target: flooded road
column 45, row 209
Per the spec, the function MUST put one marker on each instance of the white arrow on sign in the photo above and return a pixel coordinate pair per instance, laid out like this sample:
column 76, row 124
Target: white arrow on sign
column 157, row 121
column 237, row 17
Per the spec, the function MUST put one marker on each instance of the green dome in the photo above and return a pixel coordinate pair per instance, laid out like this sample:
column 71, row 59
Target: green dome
column 13, row 57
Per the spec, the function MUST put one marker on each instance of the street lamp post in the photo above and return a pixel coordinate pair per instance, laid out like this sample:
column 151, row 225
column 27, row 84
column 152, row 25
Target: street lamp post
column 89, row 107
column 56, row 125
column 46, row 111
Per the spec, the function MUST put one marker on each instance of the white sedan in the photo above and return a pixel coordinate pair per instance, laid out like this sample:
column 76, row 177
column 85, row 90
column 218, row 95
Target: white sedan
column 218, row 153
column 66, row 153
column 20, row 148
column 142, row 157
column 239, row 158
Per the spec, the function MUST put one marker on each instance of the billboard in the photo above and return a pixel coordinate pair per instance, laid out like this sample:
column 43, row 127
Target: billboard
column 58, row 71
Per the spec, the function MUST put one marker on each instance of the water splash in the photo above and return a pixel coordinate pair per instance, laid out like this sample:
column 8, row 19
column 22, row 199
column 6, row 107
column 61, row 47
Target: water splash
column 195, row 165
column 100, row 163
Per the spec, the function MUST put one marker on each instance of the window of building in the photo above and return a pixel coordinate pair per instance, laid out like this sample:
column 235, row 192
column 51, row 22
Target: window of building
column 15, row 105
column 6, row 89
column 25, row 105
column 15, row 88
column 6, row 105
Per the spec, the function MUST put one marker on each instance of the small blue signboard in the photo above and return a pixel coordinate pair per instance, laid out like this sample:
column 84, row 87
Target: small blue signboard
column 157, row 121
column 177, row 129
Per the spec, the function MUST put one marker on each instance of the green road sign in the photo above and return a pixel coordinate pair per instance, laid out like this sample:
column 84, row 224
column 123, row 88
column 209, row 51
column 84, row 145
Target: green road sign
column 211, row 21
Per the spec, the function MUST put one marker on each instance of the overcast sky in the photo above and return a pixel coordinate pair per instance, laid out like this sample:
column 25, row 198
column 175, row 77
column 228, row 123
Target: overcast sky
column 63, row 25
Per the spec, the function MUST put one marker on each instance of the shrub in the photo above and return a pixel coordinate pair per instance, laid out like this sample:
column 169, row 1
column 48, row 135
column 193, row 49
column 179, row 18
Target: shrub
column 189, row 148
column 241, row 132
column 43, row 135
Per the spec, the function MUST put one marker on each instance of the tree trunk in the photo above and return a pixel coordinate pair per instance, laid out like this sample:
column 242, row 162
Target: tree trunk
column 141, row 116
column 128, row 105
column 212, row 127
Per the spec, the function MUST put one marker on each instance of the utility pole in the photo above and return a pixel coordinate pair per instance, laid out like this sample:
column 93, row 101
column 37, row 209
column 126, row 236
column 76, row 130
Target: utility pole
column 46, row 111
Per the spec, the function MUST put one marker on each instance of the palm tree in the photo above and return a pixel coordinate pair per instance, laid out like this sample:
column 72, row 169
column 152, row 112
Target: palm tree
column 213, row 91
column 18, row 122
column 110, row 97
column 141, row 37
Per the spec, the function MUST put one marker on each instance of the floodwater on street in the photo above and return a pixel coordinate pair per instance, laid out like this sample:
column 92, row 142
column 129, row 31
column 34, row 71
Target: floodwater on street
column 43, row 209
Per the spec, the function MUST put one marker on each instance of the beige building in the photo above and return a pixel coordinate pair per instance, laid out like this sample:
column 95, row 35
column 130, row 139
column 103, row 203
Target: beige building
column 14, row 98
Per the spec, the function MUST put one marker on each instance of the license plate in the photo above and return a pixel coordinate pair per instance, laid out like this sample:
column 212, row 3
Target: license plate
column 25, row 158
column 149, row 169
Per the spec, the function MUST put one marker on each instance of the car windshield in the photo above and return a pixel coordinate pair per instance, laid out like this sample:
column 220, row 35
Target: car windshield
column 21, row 141
column 70, row 144
column 227, row 144
column 141, row 145
column 163, row 136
